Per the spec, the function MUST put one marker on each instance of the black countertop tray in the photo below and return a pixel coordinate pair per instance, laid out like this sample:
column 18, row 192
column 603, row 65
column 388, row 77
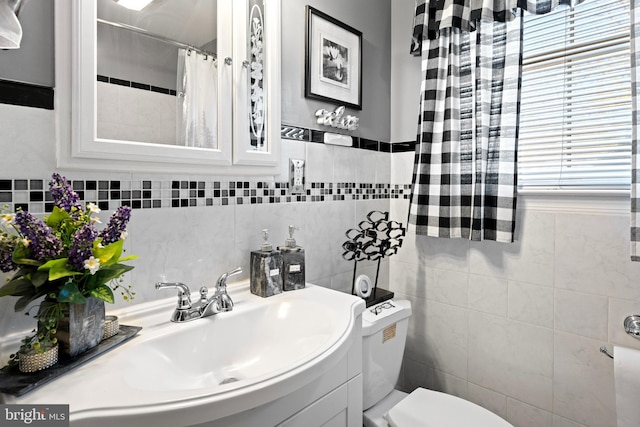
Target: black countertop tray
column 17, row 383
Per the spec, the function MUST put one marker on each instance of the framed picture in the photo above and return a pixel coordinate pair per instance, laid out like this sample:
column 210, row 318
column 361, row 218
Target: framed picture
column 333, row 63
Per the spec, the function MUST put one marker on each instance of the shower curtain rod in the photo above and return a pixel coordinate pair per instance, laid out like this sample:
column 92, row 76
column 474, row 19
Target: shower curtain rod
column 164, row 39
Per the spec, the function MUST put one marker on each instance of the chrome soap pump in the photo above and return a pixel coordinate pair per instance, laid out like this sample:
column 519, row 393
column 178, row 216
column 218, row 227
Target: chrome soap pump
column 292, row 263
column 265, row 277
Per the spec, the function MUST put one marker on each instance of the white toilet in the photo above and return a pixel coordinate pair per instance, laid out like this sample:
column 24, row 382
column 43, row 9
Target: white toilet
column 384, row 333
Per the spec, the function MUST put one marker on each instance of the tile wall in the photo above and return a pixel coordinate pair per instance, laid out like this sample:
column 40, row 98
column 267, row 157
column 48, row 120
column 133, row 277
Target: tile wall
column 517, row 328
column 193, row 228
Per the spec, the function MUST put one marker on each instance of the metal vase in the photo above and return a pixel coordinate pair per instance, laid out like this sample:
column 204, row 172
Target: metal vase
column 81, row 328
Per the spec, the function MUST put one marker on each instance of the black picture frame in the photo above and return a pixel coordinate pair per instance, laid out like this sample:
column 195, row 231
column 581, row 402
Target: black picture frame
column 333, row 60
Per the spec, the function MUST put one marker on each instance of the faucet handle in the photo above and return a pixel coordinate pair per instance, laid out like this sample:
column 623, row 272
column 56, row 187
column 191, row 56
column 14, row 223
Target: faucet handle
column 203, row 294
column 222, row 280
column 184, row 294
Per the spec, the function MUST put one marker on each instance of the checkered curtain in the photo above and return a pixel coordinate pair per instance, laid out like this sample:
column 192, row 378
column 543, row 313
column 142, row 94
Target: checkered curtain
column 460, row 14
column 465, row 171
column 635, row 165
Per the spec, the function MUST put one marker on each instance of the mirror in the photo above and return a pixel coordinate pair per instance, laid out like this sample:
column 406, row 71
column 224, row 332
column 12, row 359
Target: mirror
column 157, row 72
column 150, row 93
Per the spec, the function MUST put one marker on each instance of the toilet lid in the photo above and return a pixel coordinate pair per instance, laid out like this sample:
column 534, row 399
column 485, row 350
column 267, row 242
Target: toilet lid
column 428, row 408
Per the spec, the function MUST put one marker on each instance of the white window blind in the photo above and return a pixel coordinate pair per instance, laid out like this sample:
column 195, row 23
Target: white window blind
column 575, row 119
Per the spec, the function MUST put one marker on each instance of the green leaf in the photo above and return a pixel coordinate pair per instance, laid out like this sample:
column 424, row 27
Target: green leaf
column 111, row 272
column 128, row 258
column 24, row 301
column 23, row 271
column 17, row 287
column 57, row 217
column 71, row 294
column 58, row 269
column 27, row 261
column 21, row 256
column 104, row 293
column 39, row 278
column 109, row 254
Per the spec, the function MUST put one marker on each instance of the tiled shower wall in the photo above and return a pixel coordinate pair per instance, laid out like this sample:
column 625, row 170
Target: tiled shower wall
column 517, row 327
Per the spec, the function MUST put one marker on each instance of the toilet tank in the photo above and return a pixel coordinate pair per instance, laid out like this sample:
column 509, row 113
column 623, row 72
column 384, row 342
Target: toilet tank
column 384, row 334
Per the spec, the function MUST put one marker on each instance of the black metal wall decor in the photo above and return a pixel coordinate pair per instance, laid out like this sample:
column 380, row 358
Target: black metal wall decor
column 374, row 239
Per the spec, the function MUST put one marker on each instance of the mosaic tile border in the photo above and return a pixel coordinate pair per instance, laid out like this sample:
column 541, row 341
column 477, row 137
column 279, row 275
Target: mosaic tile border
column 297, row 133
column 33, row 195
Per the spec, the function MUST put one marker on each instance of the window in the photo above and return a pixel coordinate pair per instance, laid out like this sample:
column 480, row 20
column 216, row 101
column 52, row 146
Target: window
column 575, row 121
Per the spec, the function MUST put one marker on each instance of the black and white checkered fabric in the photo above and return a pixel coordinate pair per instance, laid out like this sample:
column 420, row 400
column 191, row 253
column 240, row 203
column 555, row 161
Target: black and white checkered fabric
column 465, row 172
column 434, row 15
column 464, row 180
column 635, row 165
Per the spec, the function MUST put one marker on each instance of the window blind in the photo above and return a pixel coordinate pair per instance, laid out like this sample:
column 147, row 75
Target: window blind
column 575, row 117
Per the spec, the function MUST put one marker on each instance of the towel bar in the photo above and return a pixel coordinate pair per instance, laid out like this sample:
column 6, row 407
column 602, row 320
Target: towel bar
column 604, row 350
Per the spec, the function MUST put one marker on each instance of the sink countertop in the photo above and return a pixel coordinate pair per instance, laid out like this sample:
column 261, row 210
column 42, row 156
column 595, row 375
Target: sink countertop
column 264, row 349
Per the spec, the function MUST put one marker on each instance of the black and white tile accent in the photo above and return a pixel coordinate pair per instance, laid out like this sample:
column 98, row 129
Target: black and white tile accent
column 33, row 194
column 136, row 85
column 26, row 95
column 298, row 133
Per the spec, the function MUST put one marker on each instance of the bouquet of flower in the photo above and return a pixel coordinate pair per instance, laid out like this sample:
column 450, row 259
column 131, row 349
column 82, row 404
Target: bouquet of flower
column 64, row 258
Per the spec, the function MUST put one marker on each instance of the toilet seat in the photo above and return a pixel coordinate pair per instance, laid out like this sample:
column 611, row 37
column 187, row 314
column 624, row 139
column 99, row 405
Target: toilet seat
column 428, row 408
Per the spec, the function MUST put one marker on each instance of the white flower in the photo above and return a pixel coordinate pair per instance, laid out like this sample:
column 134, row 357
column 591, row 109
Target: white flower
column 7, row 218
column 25, row 242
column 123, row 235
column 92, row 264
column 93, row 208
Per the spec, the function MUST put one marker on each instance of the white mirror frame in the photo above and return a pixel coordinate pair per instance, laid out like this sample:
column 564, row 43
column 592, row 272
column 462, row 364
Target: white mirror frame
column 77, row 144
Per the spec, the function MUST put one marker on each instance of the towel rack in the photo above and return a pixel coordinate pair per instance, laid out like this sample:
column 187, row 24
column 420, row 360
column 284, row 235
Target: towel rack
column 631, row 327
column 604, row 350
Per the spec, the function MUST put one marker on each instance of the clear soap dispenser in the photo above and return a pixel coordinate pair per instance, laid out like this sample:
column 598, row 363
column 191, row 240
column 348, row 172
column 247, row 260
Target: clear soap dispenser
column 265, row 277
column 292, row 263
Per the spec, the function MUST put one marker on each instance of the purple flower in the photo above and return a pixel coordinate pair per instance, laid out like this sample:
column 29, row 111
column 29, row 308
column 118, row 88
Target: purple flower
column 117, row 225
column 63, row 196
column 43, row 244
column 80, row 250
column 6, row 259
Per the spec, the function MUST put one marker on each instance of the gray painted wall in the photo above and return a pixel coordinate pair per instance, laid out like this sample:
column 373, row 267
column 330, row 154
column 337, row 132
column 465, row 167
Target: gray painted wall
column 405, row 74
column 372, row 17
column 34, row 61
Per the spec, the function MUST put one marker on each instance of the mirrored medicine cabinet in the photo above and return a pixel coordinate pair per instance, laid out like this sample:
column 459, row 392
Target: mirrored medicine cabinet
column 178, row 86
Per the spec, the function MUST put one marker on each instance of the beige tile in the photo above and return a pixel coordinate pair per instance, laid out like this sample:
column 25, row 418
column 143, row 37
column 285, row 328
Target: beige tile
column 489, row 399
column 449, row 287
column 530, row 259
column 592, row 256
column 447, row 338
column 531, row 304
column 512, row 358
column 581, row 314
column 583, row 387
column 521, row 414
column 488, row 294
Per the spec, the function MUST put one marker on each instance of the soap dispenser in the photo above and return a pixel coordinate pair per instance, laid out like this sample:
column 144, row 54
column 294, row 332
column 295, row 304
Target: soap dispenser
column 292, row 263
column 266, row 264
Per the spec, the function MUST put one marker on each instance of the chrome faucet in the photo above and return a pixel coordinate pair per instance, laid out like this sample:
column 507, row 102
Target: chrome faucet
column 218, row 303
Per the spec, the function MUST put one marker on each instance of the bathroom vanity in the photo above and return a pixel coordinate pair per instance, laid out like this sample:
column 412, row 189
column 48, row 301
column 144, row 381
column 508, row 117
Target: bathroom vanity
column 293, row 359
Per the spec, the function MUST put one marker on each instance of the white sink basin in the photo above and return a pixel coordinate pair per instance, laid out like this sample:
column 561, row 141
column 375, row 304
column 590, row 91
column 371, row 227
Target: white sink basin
column 181, row 373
